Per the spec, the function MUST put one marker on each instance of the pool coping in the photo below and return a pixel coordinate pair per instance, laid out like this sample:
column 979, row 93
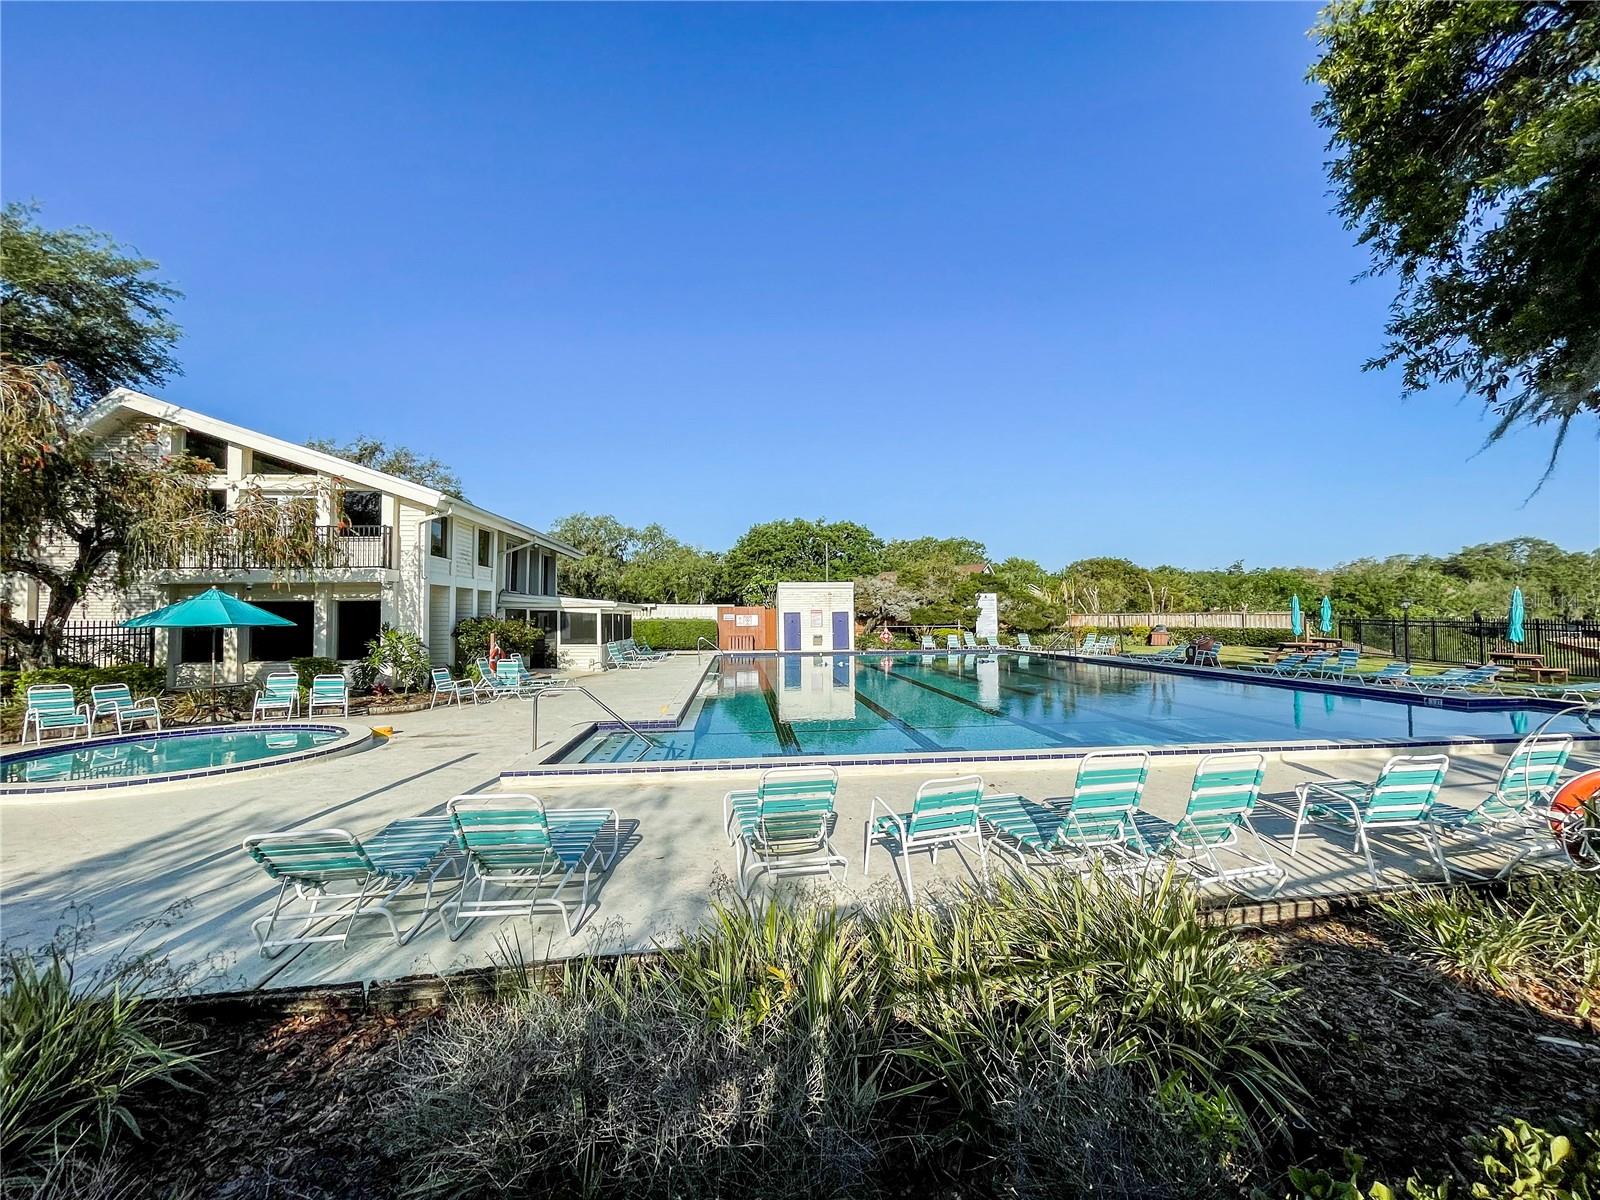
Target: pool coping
column 552, row 767
column 356, row 737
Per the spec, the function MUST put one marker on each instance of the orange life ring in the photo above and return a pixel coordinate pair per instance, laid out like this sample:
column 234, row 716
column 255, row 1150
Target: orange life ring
column 1574, row 815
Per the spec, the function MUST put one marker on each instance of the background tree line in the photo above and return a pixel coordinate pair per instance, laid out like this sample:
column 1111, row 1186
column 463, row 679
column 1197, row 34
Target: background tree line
column 932, row 580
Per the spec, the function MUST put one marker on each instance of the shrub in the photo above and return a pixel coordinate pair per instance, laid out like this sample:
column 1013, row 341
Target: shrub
column 513, row 637
column 1062, row 1036
column 141, row 680
column 309, row 668
column 397, row 661
column 73, row 1060
column 674, row 633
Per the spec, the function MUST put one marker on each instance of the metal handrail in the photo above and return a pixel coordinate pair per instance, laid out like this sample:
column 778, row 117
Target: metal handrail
column 577, row 687
column 715, row 649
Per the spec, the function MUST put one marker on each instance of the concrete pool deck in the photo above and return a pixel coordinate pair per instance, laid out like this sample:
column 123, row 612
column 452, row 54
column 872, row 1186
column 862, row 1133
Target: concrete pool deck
column 161, row 870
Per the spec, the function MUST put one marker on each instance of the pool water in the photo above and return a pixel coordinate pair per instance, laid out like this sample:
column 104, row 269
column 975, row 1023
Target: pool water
column 197, row 751
column 877, row 704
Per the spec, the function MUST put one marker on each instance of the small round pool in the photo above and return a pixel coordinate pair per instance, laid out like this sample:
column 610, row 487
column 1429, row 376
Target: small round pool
column 170, row 755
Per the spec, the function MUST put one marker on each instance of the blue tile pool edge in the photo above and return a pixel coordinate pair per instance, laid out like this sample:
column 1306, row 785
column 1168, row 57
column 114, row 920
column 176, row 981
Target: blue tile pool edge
column 356, row 737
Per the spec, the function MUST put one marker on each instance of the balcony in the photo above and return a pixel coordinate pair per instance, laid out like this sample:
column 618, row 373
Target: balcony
column 338, row 547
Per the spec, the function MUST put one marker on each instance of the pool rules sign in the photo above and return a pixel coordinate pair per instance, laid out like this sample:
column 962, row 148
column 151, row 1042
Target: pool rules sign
column 988, row 615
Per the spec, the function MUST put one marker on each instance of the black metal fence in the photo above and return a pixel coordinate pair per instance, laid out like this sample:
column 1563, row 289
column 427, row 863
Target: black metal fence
column 1574, row 645
column 96, row 644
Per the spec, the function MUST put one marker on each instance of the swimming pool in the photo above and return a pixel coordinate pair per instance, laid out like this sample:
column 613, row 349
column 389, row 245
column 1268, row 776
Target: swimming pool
column 162, row 756
column 887, row 704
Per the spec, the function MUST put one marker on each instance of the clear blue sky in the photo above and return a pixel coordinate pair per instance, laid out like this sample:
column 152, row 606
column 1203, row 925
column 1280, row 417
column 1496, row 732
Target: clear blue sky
column 936, row 269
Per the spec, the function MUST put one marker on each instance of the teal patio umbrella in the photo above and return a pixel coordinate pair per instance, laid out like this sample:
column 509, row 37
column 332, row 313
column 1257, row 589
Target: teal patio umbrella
column 1326, row 616
column 1297, row 621
column 1514, row 631
column 211, row 609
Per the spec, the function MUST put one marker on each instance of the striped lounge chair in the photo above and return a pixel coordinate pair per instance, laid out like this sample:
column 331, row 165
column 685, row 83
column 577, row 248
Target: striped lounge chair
column 54, row 706
column 785, row 826
column 944, row 815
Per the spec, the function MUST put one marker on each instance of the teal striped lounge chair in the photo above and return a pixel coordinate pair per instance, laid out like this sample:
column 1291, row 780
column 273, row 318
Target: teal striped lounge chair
column 538, row 859
column 515, row 679
column 281, row 693
column 1211, row 656
column 1097, row 820
column 328, row 691
column 990, row 642
column 1577, row 693
column 785, row 826
column 1309, row 666
column 450, row 689
column 329, row 878
column 944, row 815
column 54, row 706
column 1283, row 666
column 928, row 642
column 1519, row 804
column 115, row 700
column 1024, row 641
column 1522, row 796
column 489, row 683
column 968, row 642
column 1340, row 666
column 1216, row 822
column 1385, row 674
column 644, row 652
column 1456, row 678
column 1402, row 797
column 952, row 642
column 1171, row 654
column 618, row 655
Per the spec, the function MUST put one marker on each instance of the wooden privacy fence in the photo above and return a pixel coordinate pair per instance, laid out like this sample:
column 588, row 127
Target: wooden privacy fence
column 1200, row 620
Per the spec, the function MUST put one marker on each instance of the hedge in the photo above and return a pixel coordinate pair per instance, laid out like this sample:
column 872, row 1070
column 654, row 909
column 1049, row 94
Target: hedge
column 674, row 633
column 141, row 680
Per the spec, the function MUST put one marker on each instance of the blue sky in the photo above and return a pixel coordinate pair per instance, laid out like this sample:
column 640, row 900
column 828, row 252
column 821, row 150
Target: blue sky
column 943, row 270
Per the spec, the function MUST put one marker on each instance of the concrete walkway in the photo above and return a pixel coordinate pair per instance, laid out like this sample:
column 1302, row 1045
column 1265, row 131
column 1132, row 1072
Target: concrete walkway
column 162, row 870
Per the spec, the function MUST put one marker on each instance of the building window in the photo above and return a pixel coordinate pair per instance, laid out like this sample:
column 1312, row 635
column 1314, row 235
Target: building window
column 265, row 464
column 484, row 539
column 362, row 510
column 439, row 537
column 548, row 563
column 199, row 645
column 580, row 628
column 213, row 450
column 356, row 623
column 279, row 643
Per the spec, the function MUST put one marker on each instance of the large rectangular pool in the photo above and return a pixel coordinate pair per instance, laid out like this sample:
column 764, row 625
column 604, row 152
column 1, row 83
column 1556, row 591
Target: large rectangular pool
column 882, row 704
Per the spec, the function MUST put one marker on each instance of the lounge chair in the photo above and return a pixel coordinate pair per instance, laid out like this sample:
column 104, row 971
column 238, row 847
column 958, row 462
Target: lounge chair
column 943, row 815
column 116, row 701
column 990, row 642
column 785, row 826
column 54, row 706
column 618, row 655
column 968, row 642
column 451, row 689
column 1024, row 641
column 1387, row 673
column 1340, row 666
column 515, row 680
column 282, row 691
column 512, row 842
column 1402, row 797
column 952, row 642
column 328, row 691
column 1577, row 693
column 1099, row 819
column 1209, row 656
column 1283, row 666
column 1308, row 667
column 928, row 642
column 311, row 864
column 1169, row 655
column 1455, row 679
column 1523, row 792
column 634, row 648
column 1222, row 799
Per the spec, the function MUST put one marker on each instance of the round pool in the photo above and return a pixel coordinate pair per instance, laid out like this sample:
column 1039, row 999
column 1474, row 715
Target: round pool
column 179, row 754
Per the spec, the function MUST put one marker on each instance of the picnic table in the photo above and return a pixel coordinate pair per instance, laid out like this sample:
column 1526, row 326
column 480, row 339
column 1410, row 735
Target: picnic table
column 1529, row 666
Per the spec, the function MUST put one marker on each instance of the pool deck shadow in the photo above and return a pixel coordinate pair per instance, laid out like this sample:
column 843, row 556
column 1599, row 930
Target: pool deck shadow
column 163, row 871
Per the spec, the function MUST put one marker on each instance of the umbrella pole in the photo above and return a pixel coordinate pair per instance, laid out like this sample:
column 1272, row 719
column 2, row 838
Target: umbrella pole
column 216, row 636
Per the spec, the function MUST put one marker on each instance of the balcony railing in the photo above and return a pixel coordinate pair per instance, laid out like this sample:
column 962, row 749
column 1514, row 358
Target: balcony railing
column 337, row 548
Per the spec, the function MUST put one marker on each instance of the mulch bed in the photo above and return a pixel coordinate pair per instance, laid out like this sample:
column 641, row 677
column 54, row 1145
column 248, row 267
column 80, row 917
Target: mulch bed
column 1402, row 1064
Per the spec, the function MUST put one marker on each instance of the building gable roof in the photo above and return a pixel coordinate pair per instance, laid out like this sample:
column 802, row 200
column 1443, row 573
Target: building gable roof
column 121, row 401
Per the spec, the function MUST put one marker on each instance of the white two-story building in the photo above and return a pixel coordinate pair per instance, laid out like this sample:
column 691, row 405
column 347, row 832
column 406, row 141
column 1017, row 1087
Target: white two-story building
column 397, row 553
